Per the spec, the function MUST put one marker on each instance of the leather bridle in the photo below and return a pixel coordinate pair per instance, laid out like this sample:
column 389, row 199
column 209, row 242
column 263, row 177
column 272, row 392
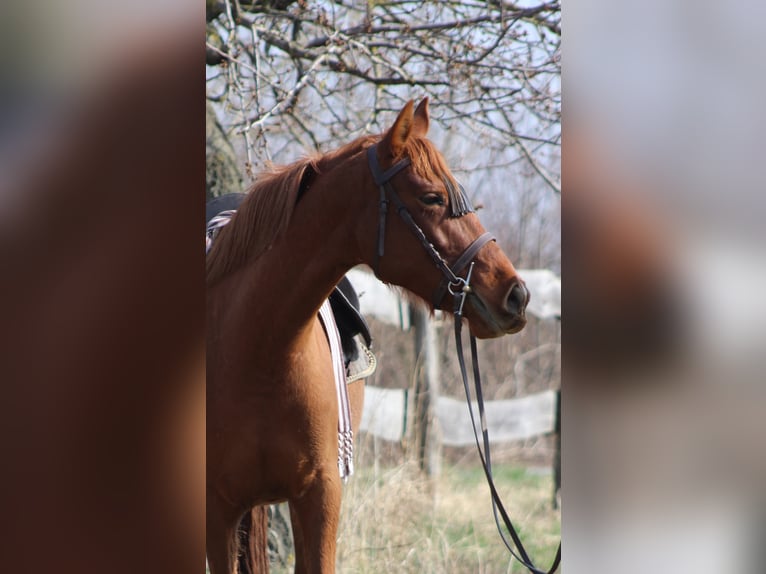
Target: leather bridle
column 451, row 281
column 459, row 288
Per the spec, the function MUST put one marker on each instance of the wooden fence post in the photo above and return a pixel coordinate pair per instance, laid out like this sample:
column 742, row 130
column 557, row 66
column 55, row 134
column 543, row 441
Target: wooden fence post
column 426, row 427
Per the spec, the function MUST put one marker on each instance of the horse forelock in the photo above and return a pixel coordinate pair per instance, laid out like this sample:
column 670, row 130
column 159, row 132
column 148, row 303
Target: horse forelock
column 428, row 162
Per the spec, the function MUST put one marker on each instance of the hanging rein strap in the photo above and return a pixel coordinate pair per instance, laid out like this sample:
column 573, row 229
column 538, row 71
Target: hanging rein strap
column 485, row 455
column 459, row 288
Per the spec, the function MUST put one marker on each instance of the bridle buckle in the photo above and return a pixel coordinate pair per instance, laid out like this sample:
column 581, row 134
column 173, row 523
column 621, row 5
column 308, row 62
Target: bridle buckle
column 464, row 286
column 458, row 287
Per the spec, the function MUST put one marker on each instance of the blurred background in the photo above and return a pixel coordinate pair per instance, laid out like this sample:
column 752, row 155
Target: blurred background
column 102, row 287
column 101, row 169
column 663, row 250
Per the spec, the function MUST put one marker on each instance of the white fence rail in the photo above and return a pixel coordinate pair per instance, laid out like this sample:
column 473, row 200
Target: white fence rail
column 384, row 413
column 508, row 420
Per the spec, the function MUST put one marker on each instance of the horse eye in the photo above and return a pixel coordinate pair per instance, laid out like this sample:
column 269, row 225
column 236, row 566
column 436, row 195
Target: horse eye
column 432, row 199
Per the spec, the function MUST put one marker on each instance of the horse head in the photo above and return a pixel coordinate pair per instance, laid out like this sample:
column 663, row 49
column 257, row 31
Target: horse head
column 413, row 191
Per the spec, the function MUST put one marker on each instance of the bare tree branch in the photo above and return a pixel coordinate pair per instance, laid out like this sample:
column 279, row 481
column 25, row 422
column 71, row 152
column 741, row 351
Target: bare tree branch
column 491, row 66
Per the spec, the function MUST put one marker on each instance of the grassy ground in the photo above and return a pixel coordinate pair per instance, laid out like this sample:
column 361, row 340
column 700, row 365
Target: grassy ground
column 394, row 520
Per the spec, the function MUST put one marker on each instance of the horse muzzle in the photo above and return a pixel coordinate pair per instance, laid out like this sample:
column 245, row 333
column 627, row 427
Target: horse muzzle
column 488, row 321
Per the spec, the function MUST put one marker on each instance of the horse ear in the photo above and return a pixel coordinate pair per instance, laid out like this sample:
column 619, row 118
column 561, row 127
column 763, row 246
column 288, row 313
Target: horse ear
column 422, row 119
column 400, row 132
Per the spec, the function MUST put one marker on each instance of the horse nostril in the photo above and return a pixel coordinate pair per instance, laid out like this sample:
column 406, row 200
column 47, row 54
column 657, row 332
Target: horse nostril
column 517, row 299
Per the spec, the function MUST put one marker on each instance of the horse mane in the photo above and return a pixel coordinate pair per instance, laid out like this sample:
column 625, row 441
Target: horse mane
column 260, row 219
column 266, row 211
column 427, row 161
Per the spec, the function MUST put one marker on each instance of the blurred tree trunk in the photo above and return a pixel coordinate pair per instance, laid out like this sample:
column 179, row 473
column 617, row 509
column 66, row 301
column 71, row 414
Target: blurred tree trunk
column 221, row 173
column 557, row 455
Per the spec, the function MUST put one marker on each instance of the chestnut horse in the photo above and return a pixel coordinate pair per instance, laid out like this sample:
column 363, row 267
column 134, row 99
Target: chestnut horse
column 272, row 417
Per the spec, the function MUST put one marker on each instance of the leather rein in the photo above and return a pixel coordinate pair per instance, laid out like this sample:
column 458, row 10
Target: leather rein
column 459, row 287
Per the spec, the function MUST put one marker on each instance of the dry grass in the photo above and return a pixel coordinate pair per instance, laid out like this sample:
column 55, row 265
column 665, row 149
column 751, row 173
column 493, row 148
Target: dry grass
column 400, row 522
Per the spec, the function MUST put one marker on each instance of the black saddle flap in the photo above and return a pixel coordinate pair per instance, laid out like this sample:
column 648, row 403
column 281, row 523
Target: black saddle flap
column 222, row 203
column 345, row 307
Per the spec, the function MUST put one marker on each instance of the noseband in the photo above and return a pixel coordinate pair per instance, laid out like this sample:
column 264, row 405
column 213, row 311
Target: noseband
column 459, row 288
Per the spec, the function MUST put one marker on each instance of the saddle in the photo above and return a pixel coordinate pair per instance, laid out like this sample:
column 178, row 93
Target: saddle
column 355, row 336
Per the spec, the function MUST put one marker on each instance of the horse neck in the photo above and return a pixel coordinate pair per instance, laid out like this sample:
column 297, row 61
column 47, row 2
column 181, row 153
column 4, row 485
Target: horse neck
column 287, row 284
